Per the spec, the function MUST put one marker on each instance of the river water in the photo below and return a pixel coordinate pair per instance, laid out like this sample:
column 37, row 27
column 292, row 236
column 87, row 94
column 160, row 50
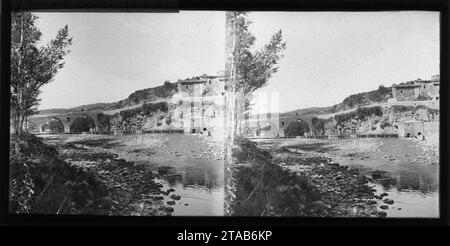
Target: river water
column 406, row 169
column 403, row 170
column 190, row 164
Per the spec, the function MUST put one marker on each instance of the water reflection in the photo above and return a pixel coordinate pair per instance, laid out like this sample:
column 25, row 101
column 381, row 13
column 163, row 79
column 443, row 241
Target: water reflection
column 405, row 181
column 189, row 176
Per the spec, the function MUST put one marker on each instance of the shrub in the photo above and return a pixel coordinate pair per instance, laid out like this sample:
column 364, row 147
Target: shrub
column 402, row 108
column 361, row 113
column 55, row 126
column 48, row 185
column 103, row 122
column 385, row 124
column 318, row 125
column 422, row 97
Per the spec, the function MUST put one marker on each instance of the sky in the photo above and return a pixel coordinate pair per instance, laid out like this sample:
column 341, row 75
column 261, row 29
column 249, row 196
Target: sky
column 115, row 54
column 329, row 55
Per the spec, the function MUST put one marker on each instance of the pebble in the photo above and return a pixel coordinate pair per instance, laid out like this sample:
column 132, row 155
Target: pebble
column 372, row 202
column 388, row 201
column 175, row 197
column 382, row 214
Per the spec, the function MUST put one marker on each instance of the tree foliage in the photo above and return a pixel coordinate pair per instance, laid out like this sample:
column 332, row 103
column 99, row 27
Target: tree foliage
column 32, row 66
column 254, row 68
column 360, row 113
column 103, row 122
column 318, row 125
column 148, row 109
column 55, row 126
column 247, row 69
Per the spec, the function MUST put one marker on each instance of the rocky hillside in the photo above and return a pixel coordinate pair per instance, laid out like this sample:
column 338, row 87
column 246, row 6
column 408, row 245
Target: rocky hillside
column 138, row 97
column 155, row 116
column 377, row 120
column 382, row 94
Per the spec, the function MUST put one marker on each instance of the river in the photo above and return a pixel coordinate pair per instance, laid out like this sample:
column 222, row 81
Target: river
column 192, row 165
column 406, row 169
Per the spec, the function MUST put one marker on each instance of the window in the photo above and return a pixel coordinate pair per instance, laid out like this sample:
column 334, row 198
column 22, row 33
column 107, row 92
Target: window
column 282, row 123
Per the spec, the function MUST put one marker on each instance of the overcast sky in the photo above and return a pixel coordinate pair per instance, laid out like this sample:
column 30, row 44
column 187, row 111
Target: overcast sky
column 115, row 54
column 329, row 55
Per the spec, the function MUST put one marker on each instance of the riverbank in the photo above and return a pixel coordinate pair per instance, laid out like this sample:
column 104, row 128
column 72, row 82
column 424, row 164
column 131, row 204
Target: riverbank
column 406, row 171
column 42, row 183
column 279, row 182
column 186, row 170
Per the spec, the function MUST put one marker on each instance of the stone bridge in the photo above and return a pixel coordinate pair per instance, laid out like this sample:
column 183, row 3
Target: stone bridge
column 275, row 126
column 40, row 121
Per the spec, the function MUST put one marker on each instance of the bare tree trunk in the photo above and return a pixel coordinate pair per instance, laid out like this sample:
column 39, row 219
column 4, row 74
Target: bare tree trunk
column 17, row 123
column 230, row 116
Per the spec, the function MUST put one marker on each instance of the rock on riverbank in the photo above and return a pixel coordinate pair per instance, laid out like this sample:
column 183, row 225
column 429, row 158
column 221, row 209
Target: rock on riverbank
column 132, row 188
column 343, row 192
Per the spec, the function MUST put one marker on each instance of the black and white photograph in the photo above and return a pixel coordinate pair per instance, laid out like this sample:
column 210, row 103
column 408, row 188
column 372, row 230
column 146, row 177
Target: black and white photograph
column 117, row 113
column 201, row 113
column 338, row 114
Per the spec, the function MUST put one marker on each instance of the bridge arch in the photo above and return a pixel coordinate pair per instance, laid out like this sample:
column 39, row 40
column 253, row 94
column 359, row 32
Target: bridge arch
column 304, row 126
column 31, row 126
column 47, row 124
column 82, row 123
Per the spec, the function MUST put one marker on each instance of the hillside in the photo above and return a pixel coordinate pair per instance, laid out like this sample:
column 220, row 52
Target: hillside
column 382, row 94
column 138, row 97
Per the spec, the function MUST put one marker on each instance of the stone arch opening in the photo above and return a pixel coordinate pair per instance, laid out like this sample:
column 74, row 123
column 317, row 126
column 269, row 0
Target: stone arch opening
column 297, row 128
column 82, row 123
column 53, row 125
column 31, row 127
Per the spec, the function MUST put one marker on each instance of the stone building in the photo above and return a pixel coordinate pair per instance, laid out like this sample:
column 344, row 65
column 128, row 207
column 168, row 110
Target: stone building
column 411, row 128
column 200, row 104
column 417, row 90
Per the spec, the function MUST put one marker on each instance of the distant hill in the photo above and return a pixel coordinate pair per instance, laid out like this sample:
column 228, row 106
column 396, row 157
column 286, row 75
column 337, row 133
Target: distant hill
column 138, row 97
column 306, row 111
column 382, row 94
column 53, row 111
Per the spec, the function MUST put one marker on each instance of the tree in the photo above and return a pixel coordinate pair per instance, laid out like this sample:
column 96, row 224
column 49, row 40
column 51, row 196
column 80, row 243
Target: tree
column 247, row 69
column 103, row 122
column 318, row 126
column 55, row 126
column 32, row 66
